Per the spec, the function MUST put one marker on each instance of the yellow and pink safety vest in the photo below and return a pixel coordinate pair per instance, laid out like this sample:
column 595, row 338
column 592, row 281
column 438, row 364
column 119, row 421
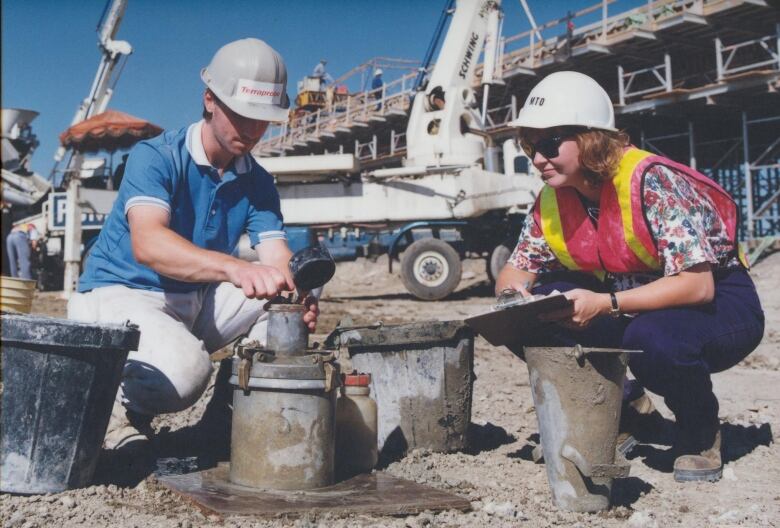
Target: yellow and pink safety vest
column 620, row 241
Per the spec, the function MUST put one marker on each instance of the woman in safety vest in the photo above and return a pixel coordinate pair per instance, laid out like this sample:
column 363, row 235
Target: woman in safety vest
column 648, row 253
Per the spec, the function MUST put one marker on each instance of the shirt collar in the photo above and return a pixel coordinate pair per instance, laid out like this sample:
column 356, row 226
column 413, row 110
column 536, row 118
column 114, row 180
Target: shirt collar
column 194, row 143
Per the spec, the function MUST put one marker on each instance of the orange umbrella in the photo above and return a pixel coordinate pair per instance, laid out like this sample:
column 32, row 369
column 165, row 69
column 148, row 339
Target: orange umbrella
column 109, row 131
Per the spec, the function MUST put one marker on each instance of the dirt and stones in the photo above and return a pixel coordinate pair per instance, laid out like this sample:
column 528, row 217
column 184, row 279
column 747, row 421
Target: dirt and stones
column 497, row 475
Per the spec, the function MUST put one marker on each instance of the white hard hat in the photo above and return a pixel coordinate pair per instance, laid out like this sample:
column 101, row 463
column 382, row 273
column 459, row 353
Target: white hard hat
column 250, row 77
column 378, row 71
column 567, row 98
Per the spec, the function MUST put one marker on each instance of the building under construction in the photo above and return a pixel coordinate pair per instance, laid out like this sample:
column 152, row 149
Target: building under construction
column 694, row 80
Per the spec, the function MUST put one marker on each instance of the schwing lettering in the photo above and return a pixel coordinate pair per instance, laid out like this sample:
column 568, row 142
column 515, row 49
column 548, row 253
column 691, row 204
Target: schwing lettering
column 470, row 49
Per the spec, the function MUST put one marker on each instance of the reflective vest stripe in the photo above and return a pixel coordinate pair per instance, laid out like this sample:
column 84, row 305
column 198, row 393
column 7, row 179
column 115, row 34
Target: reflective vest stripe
column 630, row 200
column 552, row 228
column 548, row 218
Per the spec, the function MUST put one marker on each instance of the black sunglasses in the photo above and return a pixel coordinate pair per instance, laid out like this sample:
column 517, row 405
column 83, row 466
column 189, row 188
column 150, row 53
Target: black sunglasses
column 547, row 147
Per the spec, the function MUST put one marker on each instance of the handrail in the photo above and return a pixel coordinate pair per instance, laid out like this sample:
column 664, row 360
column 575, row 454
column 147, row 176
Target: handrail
column 362, row 106
column 358, row 106
column 652, row 13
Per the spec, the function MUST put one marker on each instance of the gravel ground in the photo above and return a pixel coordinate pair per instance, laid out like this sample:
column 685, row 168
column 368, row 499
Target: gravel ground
column 504, row 486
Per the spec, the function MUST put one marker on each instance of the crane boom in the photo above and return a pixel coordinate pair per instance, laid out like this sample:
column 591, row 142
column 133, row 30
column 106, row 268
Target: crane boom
column 102, row 85
column 444, row 127
column 113, row 51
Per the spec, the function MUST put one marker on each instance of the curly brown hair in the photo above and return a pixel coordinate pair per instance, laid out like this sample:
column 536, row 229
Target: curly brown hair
column 600, row 153
column 600, row 150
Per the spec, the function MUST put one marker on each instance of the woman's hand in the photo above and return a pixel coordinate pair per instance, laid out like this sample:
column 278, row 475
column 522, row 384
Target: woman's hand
column 587, row 306
column 514, row 279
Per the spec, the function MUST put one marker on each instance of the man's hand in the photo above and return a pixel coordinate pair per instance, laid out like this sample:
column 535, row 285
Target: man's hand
column 258, row 281
column 311, row 313
column 587, row 306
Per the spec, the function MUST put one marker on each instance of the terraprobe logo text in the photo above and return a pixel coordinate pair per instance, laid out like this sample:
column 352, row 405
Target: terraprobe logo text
column 260, row 93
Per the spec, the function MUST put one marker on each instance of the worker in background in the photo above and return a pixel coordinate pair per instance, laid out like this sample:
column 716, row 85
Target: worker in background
column 376, row 87
column 119, row 173
column 320, row 73
column 163, row 259
column 20, row 244
column 649, row 257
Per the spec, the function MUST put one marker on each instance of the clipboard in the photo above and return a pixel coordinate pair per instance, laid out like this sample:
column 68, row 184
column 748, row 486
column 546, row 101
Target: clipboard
column 508, row 325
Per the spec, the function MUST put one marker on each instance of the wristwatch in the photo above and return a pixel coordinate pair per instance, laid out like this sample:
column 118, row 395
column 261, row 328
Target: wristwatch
column 615, row 310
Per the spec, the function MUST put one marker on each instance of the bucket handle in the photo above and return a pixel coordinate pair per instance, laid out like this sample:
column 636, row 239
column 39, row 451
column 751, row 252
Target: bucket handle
column 619, row 469
column 580, row 351
column 335, row 339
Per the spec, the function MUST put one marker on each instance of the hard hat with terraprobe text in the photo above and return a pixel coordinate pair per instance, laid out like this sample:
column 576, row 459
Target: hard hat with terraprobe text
column 250, row 77
column 567, row 98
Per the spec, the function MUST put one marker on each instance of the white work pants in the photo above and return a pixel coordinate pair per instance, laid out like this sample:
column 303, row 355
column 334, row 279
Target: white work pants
column 171, row 368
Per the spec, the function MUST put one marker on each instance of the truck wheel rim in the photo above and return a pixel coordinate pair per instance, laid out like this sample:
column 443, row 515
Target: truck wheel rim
column 431, row 269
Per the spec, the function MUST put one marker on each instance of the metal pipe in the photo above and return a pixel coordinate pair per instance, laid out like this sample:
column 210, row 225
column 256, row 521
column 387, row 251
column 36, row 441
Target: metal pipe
column 485, row 92
column 748, row 177
column 718, row 59
column 668, row 67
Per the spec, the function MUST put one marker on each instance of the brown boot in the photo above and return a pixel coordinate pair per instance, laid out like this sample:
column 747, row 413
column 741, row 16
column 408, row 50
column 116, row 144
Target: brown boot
column 127, row 431
column 703, row 465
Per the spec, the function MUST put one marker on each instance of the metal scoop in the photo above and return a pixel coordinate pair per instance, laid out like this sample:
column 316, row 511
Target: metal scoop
column 311, row 268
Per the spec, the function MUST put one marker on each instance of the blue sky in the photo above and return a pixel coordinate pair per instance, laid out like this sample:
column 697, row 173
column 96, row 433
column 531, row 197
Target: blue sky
column 50, row 53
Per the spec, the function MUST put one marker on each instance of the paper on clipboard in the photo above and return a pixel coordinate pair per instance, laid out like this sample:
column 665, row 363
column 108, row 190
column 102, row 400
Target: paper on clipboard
column 508, row 325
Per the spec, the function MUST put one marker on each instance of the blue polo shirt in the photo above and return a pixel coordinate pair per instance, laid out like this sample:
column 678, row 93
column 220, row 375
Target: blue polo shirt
column 173, row 173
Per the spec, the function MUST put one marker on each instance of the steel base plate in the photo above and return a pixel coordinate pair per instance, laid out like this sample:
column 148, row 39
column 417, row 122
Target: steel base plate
column 374, row 494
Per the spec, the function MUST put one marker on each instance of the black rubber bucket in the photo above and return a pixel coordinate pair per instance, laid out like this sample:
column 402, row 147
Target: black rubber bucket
column 60, row 378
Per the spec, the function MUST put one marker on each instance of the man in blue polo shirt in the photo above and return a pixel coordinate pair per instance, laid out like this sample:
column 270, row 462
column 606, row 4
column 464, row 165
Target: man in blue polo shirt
column 163, row 259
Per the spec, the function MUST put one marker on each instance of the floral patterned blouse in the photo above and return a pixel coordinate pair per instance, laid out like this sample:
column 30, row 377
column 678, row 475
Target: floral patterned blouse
column 684, row 223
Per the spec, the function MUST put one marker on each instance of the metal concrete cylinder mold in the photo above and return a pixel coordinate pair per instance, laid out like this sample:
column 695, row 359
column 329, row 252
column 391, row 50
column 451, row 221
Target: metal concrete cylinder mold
column 578, row 394
column 283, row 432
column 287, row 333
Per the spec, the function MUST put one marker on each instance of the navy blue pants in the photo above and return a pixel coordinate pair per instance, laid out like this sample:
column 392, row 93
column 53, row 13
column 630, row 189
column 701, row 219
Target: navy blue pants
column 681, row 346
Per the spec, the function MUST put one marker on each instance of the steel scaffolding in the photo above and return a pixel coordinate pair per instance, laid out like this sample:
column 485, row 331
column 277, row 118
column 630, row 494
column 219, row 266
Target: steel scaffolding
column 696, row 80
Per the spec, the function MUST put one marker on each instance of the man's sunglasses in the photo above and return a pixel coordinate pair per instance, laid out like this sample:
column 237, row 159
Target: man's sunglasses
column 547, row 147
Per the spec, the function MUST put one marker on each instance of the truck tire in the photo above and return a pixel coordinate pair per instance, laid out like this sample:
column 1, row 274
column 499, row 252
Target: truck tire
column 430, row 269
column 497, row 260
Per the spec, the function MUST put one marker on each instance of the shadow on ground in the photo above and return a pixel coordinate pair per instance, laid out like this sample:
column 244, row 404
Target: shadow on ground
column 626, row 491
column 188, row 449
column 738, row 441
column 487, row 437
column 527, row 451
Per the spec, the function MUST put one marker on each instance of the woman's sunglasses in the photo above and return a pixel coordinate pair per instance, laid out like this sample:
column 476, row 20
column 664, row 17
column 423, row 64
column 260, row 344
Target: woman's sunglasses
column 547, row 147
